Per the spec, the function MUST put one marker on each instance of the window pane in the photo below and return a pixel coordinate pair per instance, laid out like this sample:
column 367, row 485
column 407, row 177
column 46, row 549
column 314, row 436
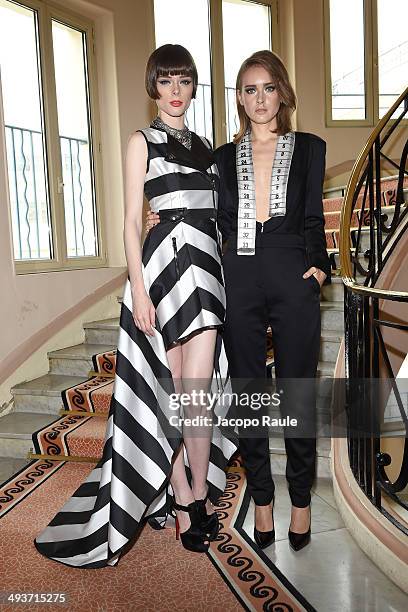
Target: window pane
column 71, row 79
column 25, row 146
column 347, row 59
column 186, row 22
column 246, row 29
column 392, row 51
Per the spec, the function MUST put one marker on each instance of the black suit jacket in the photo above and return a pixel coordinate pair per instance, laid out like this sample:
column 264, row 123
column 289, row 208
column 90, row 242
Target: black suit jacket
column 304, row 206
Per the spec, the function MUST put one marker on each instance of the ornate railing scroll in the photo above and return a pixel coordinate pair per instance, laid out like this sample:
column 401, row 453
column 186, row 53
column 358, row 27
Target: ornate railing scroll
column 374, row 218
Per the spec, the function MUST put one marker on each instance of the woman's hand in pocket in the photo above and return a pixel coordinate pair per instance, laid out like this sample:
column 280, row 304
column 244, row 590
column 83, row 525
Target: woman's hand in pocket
column 319, row 275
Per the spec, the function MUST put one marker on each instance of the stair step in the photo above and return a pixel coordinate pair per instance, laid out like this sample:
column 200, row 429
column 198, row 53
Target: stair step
column 10, row 466
column 92, row 397
column 43, row 394
column 76, row 360
column 82, row 437
column 102, row 332
column 277, row 445
column 16, row 429
column 330, row 345
column 103, row 324
column 278, row 456
column 332, row 317
column 334, row 291
column 88, row 440
column 325, row 368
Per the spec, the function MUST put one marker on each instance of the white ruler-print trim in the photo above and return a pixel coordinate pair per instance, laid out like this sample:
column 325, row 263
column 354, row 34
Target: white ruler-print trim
column 246, row 187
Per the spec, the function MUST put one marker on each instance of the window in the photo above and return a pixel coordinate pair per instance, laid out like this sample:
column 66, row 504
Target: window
column 213, row 32
column 347, row 60
column 246, row 29
column 25, row 144
column 50, row 122
column 180, row 16
column 392, row 51
column 366, row 58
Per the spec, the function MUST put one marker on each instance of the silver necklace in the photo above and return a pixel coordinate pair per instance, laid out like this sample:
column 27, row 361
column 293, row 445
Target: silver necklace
column 183, row 135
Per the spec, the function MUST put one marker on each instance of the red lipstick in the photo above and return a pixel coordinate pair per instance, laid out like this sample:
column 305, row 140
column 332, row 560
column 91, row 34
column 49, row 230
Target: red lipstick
column 176, row 103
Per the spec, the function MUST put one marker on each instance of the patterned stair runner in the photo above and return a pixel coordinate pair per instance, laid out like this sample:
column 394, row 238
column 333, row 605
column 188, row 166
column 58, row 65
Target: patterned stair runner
column 80, row 433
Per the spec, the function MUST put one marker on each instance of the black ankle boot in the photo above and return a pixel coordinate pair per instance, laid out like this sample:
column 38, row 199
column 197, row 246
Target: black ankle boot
column 265, row 538
column 298, row 541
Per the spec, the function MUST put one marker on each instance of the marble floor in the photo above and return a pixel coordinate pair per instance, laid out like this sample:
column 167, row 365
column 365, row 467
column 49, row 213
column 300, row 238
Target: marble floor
column 332, row 573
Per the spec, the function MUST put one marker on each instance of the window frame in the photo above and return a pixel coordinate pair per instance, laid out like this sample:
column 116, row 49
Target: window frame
column 217, row 61
column 368, row 70
column 371, row 81
column 215, row 23
column 47, row 12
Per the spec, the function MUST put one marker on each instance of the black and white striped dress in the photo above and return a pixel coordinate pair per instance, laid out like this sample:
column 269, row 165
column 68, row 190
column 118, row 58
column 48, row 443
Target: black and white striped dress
column 183, row 275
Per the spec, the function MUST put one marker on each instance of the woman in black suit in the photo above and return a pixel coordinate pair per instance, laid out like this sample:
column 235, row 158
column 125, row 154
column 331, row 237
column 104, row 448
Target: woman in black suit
column 275, row 261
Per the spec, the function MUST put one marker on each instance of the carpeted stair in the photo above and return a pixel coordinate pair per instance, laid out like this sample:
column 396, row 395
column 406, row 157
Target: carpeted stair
column 79, row 434
column 332, row 213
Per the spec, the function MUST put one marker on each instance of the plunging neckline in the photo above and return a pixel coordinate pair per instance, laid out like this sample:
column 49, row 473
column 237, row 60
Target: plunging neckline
column 270, row 181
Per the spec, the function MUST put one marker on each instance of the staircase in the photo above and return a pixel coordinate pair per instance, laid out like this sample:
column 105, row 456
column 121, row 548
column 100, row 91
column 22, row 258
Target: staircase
column 38, row 403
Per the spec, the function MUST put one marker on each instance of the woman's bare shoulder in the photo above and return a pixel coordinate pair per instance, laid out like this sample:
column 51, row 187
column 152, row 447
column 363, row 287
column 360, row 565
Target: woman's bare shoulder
column 137, row 144
column 136, row 138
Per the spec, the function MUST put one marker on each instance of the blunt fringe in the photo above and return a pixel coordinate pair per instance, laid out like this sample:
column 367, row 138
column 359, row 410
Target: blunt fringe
column 169, row 60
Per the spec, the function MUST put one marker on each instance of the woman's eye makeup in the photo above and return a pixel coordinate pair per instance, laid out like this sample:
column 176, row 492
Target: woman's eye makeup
column 185, row 82
column 268, row 88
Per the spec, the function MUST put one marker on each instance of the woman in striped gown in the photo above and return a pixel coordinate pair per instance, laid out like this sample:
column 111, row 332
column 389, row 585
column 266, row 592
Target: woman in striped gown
column 169, row 342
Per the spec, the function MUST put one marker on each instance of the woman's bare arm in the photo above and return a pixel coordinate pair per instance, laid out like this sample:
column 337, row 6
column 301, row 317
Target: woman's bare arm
column 135, row 170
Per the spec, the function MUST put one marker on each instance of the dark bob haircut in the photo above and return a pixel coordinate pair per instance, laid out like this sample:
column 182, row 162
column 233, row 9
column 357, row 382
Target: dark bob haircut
column 169, row 60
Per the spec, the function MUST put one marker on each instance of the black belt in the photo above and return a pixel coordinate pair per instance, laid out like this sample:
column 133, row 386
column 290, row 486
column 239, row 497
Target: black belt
column 177, row 214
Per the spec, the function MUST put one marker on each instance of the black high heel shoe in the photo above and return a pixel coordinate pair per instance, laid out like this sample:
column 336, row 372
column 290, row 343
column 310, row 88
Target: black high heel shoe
column 193, row 538
column 265, row 538
column 209, row 523
column 298, row 541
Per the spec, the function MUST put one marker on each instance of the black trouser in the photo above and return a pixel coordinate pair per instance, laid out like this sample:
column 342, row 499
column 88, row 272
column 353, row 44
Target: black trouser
column 268, row 289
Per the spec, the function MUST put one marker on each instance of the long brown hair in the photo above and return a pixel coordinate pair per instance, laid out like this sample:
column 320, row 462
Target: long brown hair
column 274, row 65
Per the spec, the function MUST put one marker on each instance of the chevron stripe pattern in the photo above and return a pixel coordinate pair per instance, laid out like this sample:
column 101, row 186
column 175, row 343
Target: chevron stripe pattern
column 182, row 272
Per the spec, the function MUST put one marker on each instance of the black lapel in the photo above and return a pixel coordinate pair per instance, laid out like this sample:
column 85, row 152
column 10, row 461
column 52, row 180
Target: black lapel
column 199, row 157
